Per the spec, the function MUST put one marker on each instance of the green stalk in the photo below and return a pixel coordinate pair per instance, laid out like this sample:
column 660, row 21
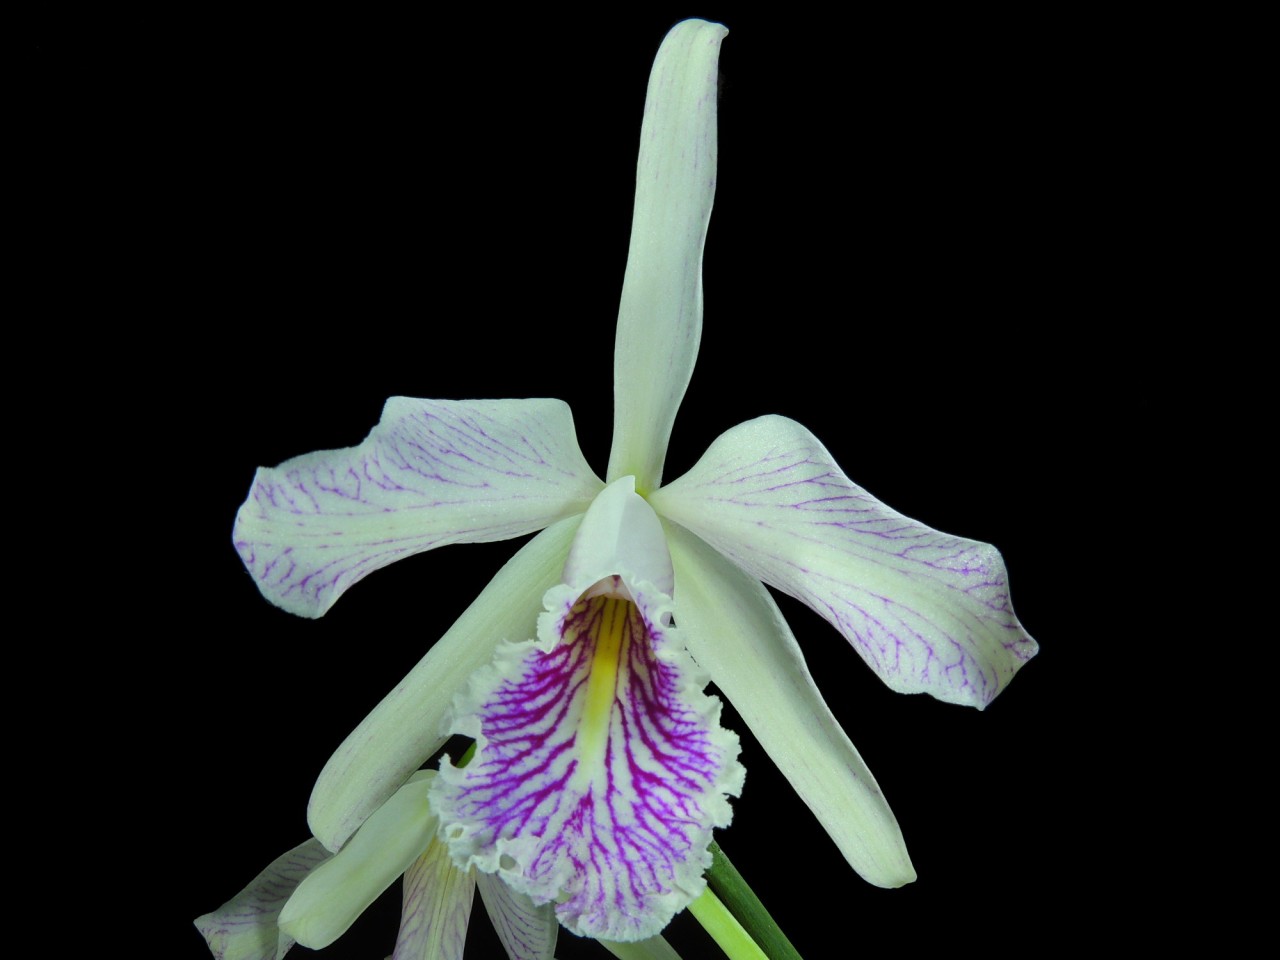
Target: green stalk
column 745, row 906
column 725, row 928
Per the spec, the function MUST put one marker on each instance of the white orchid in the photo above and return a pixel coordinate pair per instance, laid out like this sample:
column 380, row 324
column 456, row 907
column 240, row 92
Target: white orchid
column 600, row 768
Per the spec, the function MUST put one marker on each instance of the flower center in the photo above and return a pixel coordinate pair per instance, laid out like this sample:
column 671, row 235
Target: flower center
column 600, row 766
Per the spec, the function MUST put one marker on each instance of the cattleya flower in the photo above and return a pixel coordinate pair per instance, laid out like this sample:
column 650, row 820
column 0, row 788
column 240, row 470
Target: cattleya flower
column 600, row 768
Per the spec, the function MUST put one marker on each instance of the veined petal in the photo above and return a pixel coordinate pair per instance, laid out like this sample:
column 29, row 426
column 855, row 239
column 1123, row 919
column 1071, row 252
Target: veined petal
column 432, row 472
column 245, row 927
column 403, row 730
column 928, row 611
column 437, row 908
column 600, row 766
column 735, row 631
column 527, row 931
column 335, row 893
column 660, row 317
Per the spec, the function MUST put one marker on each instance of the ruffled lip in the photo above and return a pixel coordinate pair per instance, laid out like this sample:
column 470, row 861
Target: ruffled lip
column 600, row 768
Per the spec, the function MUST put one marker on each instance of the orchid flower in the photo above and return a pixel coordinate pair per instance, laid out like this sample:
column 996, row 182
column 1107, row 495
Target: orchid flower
column 601, row 768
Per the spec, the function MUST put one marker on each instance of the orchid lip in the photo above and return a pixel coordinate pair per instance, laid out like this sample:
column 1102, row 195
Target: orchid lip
column 600, row 767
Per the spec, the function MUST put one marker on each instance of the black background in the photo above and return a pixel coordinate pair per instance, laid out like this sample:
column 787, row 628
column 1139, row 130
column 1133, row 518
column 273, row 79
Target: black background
column 932, row 245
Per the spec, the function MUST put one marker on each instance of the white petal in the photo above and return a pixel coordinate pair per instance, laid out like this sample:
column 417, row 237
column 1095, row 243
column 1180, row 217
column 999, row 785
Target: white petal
column 335, row 893
column 245, row 928
column 734, row 630
column 432, row 472
column 405, row 728
column 437, row 908
column 655, row 948
column 527, row 932
column 928, row 611
column 660, row 317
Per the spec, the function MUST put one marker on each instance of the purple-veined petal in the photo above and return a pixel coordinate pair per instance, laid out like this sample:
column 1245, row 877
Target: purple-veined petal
column 734, row 630
column 600, row 766
column 334, row 894
column 609, row 808
column 655, row 948
column 245, row 928
column 403, row 730
column 527, row 931
column 660, row 316
column 928, row 611
column 431, row 473
column 436, row 909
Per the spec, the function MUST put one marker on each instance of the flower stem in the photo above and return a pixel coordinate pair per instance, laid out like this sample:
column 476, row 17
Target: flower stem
column 742, row 902
column 725, row 928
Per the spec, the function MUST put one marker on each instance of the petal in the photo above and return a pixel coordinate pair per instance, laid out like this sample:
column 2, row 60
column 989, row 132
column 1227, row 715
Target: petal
column 735, row 631
column 600, row 767
column 655, row 948
column 404, row 729
column 245, row 928
column 432, row 472
column 527, row 931
column 335, row 893
column 660, row 317
column 437, row 908
column 928, row 611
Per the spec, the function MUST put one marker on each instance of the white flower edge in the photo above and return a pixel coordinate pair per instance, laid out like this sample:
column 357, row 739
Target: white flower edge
column 660, row 314
column 929, row 612
column 735, row 631
column 406, row 728
column 431, row 473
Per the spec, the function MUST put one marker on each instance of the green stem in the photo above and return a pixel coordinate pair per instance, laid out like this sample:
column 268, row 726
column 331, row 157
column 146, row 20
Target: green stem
column 742, row 902
column 725, row 928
